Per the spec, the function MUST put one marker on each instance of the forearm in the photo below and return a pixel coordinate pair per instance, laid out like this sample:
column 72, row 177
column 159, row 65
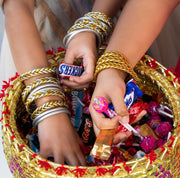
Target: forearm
column 25, row 43
column 138, row 26
column 24, row 39
column 109, row 7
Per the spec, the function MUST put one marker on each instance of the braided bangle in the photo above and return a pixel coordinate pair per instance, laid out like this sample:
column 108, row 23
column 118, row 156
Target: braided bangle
column 47, row 106
column 100, row 16
column 43, row 93
column 98, row 23
column 115, row 60
column 49, row 113
column 39, row 71
column 36, row 83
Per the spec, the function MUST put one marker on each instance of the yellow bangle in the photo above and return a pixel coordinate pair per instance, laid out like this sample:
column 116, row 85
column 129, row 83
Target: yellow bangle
column 41, row 94
column 115, row 60
column 39, row 71
column 47, row 106
column 35, row 84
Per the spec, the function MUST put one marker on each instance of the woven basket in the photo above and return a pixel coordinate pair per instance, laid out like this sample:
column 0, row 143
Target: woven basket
column 164, row 161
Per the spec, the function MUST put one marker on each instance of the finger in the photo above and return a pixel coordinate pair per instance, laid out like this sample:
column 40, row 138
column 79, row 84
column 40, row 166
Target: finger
column 100, row 120
column 121, row 136
column 73, row 84
column 72, row 159
column 96, row 129
column 120, row 106
column 81, row 159
column 69, row 57
column 84, row 78
column 139, row 116
column 45, row 152
column 59, row 158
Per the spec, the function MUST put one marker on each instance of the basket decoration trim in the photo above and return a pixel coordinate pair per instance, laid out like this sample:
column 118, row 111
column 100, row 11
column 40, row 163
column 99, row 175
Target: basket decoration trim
column 23, row 162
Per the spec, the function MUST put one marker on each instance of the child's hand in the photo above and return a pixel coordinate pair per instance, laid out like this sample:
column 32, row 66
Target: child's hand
column 59, row 139
column 110, row 84
column 81, row 46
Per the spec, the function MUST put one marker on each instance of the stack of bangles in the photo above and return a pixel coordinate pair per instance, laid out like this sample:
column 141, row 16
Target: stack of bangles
column 42, row 87
column 96, row 22
column 114, row 60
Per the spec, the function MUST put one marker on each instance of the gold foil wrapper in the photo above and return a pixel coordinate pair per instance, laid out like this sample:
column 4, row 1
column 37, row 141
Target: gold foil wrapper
column 102, row 146
column 146, row 130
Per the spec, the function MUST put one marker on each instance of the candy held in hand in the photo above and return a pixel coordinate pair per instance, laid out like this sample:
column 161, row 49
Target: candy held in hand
column 132, row 93
column 100, row 104
column 66, row 70
column 110, row 113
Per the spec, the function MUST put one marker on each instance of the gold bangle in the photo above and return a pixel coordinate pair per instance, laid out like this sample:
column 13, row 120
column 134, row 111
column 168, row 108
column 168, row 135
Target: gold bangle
column 116, row 60
column 47, row 106
column 35, row 72
column 98, row 23
column 101, row 16
column 35, row 84
column 41, row 94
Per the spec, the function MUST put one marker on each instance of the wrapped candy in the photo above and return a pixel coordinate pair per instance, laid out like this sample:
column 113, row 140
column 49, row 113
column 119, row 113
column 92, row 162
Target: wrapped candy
column 152, row 108
column 66, row 70
column 145, row 130
column 163, row 129
column 154, row 121
column 148, row 144
column 102, row 146
column 155, row 108
column 86, row 131
column 136, row 109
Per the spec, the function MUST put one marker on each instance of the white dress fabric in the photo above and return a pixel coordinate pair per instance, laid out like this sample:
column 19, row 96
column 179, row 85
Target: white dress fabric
column 7, row 66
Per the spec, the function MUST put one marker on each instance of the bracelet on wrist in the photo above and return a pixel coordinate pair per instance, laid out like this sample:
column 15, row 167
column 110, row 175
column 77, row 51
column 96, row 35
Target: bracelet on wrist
column 114, row 60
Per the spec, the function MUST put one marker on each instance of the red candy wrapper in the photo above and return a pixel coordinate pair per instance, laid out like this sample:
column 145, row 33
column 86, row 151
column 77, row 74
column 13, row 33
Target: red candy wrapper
column 136, row 109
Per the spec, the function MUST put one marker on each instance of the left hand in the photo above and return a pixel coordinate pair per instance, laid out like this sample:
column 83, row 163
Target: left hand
column 82, row 46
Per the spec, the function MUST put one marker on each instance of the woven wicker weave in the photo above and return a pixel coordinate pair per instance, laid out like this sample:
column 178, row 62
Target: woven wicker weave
column 23, row 162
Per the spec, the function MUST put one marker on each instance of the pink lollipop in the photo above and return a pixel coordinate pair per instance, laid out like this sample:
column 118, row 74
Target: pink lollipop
column 100, row 104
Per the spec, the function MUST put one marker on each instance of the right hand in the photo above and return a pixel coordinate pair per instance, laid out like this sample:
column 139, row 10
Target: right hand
column 59, row 139
column 110, row 84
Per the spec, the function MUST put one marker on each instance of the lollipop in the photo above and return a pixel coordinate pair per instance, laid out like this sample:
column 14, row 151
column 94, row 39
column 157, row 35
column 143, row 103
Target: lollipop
column 100, row 104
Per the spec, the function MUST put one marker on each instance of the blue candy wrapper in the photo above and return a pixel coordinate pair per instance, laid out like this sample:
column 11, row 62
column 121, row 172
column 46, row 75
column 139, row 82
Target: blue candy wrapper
column 132, row 93
column 66, row 70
